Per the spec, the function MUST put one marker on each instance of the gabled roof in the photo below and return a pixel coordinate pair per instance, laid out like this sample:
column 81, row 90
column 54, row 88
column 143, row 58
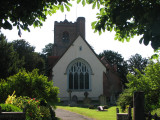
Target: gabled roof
column 52, row 60
column 71, row 45
column 108, row 64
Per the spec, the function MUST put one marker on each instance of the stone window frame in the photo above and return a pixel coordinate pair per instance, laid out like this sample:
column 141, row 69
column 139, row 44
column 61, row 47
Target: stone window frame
column 78, row 69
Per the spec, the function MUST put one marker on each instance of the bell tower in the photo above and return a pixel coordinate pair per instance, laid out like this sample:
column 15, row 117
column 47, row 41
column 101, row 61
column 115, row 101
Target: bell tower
column 65, row 33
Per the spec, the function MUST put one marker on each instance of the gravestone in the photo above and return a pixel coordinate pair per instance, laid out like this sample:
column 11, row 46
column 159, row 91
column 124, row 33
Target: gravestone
column 75, row 99
column 102, row 100
column 69, row 91
column 86, row 99
column 66, row 102
column 86, row 94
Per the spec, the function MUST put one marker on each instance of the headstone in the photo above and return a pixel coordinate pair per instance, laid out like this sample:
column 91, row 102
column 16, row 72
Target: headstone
column 75, row 99
column 69, row 91
column 66, row 102
column 86, row 99
column 86, row 94
column 73, row 104
column 102, row 100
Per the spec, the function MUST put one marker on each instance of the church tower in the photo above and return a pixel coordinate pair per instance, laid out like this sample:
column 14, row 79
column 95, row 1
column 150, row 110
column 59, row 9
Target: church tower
column 65, row 33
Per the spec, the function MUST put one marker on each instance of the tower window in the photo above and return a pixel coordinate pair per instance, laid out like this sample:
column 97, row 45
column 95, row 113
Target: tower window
column 65, row 37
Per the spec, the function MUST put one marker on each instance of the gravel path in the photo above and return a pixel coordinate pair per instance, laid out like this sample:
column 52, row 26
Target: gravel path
column 67, row 115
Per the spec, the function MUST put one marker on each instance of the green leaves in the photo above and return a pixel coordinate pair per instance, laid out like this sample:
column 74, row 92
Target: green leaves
column 147, row 81
column 78, row 1
column 83, row 3
column 94, row 5
column 67, row 6
column 68, row 9
column 30, row 12
column 31, row 84
column 98, row 5
column 37, row 23
column 7, row 25
column 95, row 2
column 61, row 8
column 128, row 19
column 93, row 24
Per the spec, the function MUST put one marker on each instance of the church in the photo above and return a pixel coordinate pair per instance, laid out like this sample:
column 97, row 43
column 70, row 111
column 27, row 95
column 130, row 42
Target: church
column 76, row 68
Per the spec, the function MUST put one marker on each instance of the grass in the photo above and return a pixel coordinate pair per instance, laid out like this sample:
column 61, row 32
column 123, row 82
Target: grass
column 109, row 114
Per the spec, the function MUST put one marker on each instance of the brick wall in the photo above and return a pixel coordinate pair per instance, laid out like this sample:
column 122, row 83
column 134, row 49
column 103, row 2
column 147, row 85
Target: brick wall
column 72, row 29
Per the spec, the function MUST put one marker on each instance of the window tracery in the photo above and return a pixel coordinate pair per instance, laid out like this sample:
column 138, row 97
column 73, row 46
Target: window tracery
column 79, row 76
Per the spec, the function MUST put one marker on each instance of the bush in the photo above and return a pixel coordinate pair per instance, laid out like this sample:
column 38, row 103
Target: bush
column 31, row 105
column 35, row 109
column 157, row 111
column 125, row 99
column 46, row 115
column 146, row 81
column 91, row 107
column 105, row 107
column 29, row 84
column 10, row 99
column 4, row 90
column 10, row 108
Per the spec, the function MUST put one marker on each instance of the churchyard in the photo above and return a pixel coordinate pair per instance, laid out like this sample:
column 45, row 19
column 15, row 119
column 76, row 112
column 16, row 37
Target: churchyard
column 33, row 93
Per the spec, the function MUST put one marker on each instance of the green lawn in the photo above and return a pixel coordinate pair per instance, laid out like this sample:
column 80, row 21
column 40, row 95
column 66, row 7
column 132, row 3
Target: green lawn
column 109, row 114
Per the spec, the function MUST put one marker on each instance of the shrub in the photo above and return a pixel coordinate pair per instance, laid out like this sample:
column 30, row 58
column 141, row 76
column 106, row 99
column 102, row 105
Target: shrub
column 10, row 108
column 157, row 111
column 4, row 90
column 45, row 113
column 126, row 98
column 29, row 84
column 31, row 105
column 146, row 81
column 91, row 107
column 105, row 107
column 10, row 99
column 43, row 102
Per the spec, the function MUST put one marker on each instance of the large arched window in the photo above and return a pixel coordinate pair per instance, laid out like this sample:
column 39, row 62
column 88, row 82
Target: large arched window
column 79, row 75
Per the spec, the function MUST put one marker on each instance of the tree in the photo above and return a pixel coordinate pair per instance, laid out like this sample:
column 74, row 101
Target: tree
column 129, row 18
column 46, row 52
column 10, row 62
column 26, row 52
column 136, row 62
column 148, row 81
column 116, row 59
column 48, row 49
column 24, row 13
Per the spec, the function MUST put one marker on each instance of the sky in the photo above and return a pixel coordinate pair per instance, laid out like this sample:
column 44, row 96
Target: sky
column 39, row 37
